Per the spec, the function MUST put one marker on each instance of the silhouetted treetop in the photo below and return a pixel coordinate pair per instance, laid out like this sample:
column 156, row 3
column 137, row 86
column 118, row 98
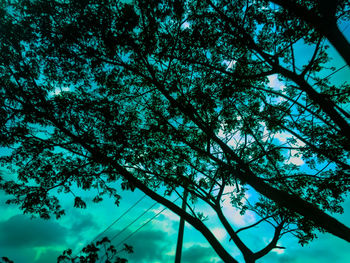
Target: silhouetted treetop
column 170, row 95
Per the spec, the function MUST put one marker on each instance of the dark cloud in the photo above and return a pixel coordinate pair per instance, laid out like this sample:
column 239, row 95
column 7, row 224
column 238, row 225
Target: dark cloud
column 198, row 254
column 32, row 255
column 39, row 241
column 150, row 245
column 23, row 255
column 23, row 239
column 81, row 221
column 20, row 231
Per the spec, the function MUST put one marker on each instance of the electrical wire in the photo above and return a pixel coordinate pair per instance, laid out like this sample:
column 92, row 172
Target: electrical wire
column 139, row 228
column 144, row 224
column 120, row 217
column 335, row 71
column 137, row 218
column 115, row 221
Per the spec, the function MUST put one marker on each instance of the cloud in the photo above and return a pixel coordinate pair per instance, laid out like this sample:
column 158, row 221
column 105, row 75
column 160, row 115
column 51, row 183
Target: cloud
column 219, row 233
column 326, row 248
column 150, row 245
column 229, row 63
column 185, row 25
column 58, row 91
column 198, row 253
column 46, row 255
column 6, row 210
column 295, row 159
column 19, row 255
column 84, row 223
column 274, row 82
column 33, row 254
column 282, row 136
column 233, row 214
column 23, row 239
column 294, row 156
column 276, row 258
column 82, row 227
column 21, row 231
column 166, row 214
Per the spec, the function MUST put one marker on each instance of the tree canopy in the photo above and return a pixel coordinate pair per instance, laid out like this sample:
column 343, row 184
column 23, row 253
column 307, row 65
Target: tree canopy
column 171, row 95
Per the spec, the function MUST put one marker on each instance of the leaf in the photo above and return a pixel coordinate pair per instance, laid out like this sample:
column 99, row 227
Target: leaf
column 128, row 249
column 79, row 203
column 97, row 199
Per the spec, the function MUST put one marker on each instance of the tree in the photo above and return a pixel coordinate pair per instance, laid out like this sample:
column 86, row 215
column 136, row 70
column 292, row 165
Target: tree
column 174, row 94
column 323, row 16
column 101, row 250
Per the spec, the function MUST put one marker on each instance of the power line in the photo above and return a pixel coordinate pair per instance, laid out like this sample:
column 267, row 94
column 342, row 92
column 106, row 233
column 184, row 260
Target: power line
column 120, row 217
column 137, row 218
column 144, row 224
column 139, row 228
column 335, row 71
column 115, row 221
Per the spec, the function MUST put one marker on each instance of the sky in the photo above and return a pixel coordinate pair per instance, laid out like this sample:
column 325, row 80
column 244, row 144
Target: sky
column 36, row 240
column 25, row 239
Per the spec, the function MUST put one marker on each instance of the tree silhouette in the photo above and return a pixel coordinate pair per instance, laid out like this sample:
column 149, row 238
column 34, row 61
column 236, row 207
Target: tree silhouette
column 175, row 95
column 100, row 251
column 323, row 16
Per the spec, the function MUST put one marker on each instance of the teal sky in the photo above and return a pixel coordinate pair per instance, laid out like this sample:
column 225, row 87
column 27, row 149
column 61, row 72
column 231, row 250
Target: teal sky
column 36, row 240
column 24, row 240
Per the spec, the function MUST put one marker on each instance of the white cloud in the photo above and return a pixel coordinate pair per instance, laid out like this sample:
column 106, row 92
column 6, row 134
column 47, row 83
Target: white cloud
column 278, row 250
column 191, row 244
column 241, row 220
column 274, row 82
column 277, row 85
column 166, row 213
column 232, row 189
column 281, row 136
column 232, row 141
column 295, row 159
column 185, row 25
column 171, row 252
column 219, row 233
column 58, row 91
column 229, row 63
column 164, row 225
column 232, row 214
column 165, row 220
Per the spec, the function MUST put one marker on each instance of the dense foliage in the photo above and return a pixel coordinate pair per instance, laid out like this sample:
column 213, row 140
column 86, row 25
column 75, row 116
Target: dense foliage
column 172, row 95
column 99, row 251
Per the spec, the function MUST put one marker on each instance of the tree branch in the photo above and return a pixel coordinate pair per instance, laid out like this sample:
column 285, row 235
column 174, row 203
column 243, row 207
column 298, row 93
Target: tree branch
column 272, row 244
